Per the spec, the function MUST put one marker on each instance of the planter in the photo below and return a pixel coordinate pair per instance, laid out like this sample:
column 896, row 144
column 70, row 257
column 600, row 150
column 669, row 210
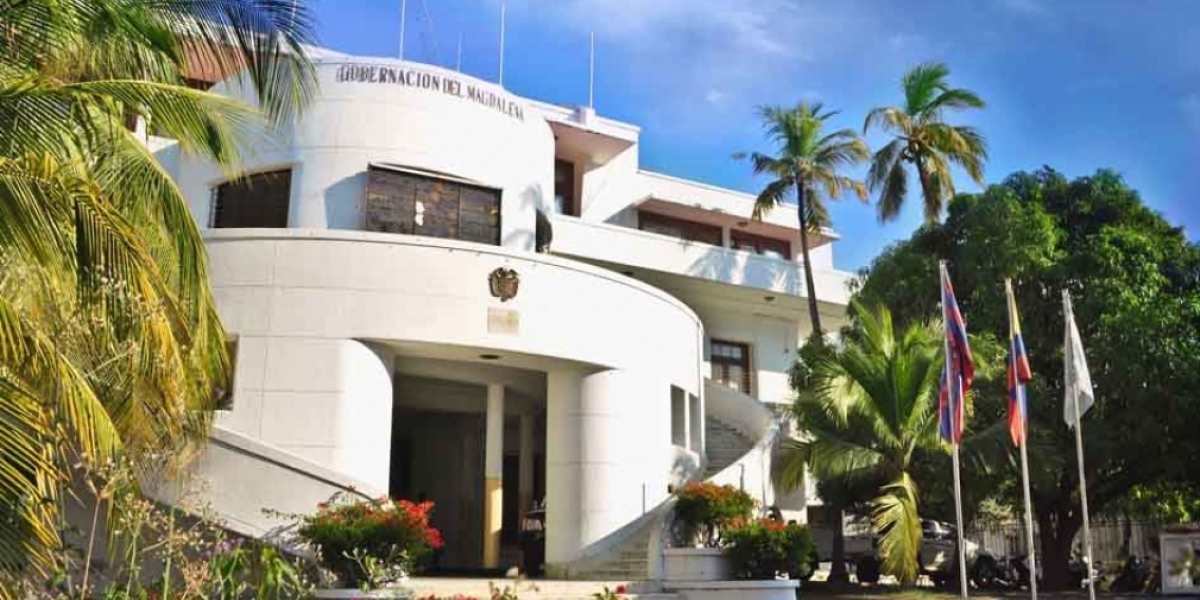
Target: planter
column 355, row 594
column 771, row 589
column 696, row 564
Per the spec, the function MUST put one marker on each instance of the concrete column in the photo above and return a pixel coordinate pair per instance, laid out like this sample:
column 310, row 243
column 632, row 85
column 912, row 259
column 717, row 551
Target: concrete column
column 527, row 451
column 564, row 456
column 726, row 237
column 493, row 469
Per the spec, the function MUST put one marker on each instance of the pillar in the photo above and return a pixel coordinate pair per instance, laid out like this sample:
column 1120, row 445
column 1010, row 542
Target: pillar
column 493, row 469
column 526, row 455
column 564, row 485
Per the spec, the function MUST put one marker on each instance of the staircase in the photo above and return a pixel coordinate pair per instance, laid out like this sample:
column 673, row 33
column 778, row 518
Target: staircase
column 630, row 563
column 723, row 444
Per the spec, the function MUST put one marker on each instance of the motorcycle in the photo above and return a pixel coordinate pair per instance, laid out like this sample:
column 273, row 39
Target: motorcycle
column 1133, row 575
column 1004, row 573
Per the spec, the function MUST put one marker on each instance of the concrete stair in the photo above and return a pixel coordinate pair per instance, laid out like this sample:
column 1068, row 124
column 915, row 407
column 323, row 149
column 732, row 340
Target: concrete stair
column 723, row 444
column 631, row 563
column 536, row 589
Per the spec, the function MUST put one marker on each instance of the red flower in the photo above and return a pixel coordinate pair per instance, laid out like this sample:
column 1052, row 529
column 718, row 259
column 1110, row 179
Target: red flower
column 620, row 589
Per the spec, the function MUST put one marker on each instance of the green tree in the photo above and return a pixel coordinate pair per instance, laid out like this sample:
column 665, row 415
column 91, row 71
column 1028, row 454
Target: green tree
column 1136, row 284
column 924, row 140
column 807, row 163
column 110, row 344
column 871, row 406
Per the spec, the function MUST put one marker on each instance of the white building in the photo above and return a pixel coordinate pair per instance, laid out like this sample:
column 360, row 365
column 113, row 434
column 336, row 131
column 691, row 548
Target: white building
column 363, row 271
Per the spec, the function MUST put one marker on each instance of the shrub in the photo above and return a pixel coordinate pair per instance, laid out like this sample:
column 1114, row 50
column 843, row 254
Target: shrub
column 763, row 548
column 371, row 542
column 703, row 509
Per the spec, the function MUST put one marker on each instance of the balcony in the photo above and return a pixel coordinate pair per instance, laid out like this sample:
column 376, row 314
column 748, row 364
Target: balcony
column 641, row 249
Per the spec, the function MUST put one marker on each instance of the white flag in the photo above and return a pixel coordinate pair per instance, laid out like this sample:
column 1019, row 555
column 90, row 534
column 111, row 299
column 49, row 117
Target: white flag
column 1077, row 381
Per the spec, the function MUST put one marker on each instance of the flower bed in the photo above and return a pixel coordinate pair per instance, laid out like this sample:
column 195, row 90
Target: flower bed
column 370, row 543
column 703, row 509
column 765, row 549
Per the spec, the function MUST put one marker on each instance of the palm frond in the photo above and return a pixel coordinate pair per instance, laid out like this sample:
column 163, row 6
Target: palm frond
column 895, row 520
column 922, row 84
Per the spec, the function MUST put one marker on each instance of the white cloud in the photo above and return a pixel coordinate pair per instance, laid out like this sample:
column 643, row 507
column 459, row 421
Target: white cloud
column 1190, row 106
column 716, row 97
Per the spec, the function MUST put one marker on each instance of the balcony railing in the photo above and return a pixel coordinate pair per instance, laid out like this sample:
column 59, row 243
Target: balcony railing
column 642, row 249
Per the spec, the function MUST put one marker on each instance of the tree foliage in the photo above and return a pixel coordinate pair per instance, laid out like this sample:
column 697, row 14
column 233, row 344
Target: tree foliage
column 923, row 140
column 869, row 406
column 1135, row 280
column 807, row 164
column 110, row 344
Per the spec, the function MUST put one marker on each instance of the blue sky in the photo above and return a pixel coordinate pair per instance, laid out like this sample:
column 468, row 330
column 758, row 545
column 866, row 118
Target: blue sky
column 1073, row 84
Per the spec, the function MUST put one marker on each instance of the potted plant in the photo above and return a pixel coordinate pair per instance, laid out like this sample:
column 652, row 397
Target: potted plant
column 370, row 544
column 767, row 549
column 702, row 512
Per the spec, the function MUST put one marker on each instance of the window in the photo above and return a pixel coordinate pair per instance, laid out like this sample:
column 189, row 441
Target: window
column 731, row 365
column 564, row 188
column 678, row 228
column 258, row 200
column 766, row 246
column 413, row 203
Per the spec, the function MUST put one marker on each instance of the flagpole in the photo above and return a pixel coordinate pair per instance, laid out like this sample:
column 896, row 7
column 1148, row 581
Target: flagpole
column 403, row 9
column 1020, row 391
column 500, row 79
column 958, row 512
column 1074, row 391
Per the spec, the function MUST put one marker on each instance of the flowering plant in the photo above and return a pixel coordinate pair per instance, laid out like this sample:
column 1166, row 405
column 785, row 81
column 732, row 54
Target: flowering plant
column 703, row 509
column 369, row 543
column 765, row 548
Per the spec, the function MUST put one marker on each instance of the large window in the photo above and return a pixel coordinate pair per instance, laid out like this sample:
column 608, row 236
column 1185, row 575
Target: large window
column 564, row 188
column 413, row 203
column 759, row 244
column 679, row 228
column 258, row 200
column 730, row 365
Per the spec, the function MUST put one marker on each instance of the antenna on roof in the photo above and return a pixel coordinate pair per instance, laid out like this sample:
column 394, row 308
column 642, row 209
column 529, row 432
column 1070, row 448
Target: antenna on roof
column 458, row 61
column 592, row 73
column 403, row 9
column 501, row 78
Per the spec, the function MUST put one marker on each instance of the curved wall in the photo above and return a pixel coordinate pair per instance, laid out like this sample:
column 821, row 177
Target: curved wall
column 389, row 111
column 302, row 302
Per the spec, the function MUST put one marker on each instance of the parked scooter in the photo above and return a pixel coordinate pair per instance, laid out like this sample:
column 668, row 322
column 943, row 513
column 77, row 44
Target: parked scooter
column 1004, row 573
column 1133, row 575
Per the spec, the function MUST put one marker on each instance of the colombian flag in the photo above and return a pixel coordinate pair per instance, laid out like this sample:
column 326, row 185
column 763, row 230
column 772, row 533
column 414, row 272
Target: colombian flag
column 1018, row 373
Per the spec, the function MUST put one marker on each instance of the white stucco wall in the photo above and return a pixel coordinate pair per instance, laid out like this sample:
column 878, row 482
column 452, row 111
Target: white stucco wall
column 351, row 124
column 299, row 301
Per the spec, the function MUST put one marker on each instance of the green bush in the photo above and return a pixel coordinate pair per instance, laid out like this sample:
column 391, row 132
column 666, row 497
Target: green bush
column 702, row 510
column 371, row 542
column 763, row 548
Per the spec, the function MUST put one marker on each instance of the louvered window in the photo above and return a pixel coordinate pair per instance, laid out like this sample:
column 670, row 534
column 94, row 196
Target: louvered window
column 402, row 201
column 258, row 200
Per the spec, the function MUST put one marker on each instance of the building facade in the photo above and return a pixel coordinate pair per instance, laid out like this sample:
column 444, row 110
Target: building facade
column 436, row 289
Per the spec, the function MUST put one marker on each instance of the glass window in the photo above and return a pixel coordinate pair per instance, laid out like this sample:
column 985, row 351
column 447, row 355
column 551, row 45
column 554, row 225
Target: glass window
column 690, row 231
column 415, row 204
column 258, row 200
column 730, row 364
column 766, row 246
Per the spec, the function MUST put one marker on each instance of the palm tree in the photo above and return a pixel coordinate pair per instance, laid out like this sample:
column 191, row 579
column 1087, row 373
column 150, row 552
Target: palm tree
column 110, row 344
column 806, row 164
column 870, row 406
column 925, row 141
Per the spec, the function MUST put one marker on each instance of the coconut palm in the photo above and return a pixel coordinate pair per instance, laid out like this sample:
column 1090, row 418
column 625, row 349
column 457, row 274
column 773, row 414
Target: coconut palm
column 806, row 163
column 924, row 140
column 870, row 406
column 110, row 344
